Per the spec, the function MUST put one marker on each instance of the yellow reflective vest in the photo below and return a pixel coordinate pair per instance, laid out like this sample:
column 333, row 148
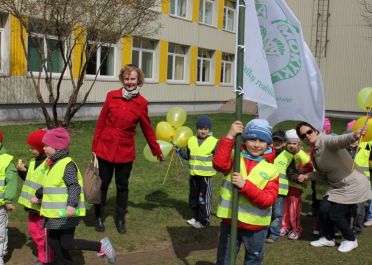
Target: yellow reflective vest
column 301, row 158
column 248, row 213
column 34, row 180
column 362, row 157
column 281, row 162
column 201, row 156
column 5, row 160
column 55, row 191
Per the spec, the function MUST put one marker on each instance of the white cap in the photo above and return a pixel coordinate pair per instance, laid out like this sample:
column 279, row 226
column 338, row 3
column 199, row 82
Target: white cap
column 292, row 136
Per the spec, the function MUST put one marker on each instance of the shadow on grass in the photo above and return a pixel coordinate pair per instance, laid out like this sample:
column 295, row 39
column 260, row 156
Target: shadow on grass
column 160, row 198
column 186, row 240
column 17, row 240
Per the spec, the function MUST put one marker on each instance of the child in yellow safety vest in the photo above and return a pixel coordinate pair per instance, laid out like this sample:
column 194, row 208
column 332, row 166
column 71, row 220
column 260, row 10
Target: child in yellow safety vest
column 199, row 153
column 257, row 182
column 297, row 162
column 33, row 178
column 362, row 155
column 62, row 201
column 8, row 190
column 279, row 142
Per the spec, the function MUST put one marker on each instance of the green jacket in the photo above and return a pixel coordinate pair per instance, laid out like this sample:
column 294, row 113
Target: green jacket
column 11, row 180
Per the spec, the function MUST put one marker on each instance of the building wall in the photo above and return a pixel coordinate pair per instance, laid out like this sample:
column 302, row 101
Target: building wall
column 345, row 60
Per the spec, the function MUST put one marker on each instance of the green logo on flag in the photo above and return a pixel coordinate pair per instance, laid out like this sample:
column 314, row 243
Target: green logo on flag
column 283, row 44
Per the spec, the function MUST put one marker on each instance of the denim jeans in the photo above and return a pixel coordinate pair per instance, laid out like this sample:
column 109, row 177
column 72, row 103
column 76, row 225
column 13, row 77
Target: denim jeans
column 273, row 231
column 254, row 242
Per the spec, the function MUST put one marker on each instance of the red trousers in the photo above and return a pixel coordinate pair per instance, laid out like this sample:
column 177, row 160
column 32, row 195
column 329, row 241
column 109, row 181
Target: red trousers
column 292, row 211
column 39, row 235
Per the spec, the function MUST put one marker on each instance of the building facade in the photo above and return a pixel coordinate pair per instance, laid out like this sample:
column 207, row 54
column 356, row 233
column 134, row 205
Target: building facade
column 189, row 62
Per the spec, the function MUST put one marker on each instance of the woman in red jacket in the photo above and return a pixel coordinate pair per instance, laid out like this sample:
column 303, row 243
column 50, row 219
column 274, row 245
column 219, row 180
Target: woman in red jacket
column 114, row 140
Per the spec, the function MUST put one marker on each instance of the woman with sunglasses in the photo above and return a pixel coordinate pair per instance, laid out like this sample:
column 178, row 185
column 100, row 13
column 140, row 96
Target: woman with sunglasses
column 348, row 186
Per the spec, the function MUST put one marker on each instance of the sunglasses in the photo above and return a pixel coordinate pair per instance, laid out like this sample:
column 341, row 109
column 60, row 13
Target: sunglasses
column 309, row 132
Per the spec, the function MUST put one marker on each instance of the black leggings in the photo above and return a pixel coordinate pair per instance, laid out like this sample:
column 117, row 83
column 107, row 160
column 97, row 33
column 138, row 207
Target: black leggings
column 331, row 214
column 122, row 173
column 62, row 240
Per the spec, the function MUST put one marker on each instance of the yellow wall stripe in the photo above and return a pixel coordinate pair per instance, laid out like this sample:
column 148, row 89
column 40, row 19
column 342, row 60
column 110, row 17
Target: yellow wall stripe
column 218, row 56
column 163, row 61
column 195, row 11
column 79, row 57
column 193, row 63
column 17, row 54
column 220, row 9
column 126, row 45
column 165, row 6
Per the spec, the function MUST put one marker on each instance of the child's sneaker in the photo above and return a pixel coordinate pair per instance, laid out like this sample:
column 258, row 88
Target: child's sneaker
column 198, row 225
column 191, row 221
column 368, row 223
column 293, row 235
column 283, row 231
column 108, row 250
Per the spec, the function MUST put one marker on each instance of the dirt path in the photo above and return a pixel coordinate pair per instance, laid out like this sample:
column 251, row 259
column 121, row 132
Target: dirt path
column 22, row 254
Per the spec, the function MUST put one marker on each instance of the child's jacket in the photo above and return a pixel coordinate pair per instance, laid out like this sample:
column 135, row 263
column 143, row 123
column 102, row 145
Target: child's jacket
column 261, row 184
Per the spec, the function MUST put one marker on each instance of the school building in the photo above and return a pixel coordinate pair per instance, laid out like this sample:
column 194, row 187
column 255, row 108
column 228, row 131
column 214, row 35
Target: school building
column 189, row 62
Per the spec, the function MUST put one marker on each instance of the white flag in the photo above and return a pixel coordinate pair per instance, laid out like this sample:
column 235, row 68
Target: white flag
column 295, row 77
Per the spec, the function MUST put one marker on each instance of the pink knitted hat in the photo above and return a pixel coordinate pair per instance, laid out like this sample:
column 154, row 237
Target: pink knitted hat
column 327, row 125
column 350, row 125
column 57, row 138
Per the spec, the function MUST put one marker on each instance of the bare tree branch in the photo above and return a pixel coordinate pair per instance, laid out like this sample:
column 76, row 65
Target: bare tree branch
column 53, row 39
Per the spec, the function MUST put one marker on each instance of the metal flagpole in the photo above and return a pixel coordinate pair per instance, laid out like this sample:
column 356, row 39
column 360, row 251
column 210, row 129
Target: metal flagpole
column 238, row 140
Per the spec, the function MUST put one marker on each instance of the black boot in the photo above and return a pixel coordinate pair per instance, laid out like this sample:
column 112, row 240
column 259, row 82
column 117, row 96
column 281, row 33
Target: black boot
column 120, row 226
column 99, row 225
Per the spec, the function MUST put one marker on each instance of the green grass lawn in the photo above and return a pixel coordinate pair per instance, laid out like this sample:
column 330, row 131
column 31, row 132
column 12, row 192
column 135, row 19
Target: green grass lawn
column 157, row 213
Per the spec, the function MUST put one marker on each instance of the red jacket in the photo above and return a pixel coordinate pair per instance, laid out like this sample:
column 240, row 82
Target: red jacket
column 116, row 128
column 261, row 198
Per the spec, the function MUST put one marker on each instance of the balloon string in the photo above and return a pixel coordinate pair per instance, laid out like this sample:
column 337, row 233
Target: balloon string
column 369, row 114
column 170, row 163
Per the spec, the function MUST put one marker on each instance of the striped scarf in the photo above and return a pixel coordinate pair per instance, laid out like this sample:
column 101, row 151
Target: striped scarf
column 130, row 94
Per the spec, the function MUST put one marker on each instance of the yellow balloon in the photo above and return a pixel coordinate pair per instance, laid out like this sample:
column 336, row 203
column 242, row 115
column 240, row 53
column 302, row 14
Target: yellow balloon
column 164, row 131
column 176, row 116
column 165, row 149
column 360, row 123
column 182, row 136
column 364, row 98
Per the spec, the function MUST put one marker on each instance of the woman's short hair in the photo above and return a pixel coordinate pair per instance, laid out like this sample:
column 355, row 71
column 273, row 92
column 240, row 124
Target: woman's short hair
column 130, row 68
column 304, row 123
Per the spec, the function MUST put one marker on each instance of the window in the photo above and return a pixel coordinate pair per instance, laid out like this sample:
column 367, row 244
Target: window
column 178, row 7
column 176, row 62
column 143, row 55
column 227, row 68
column 206, row 11
column 204, row 66
column 228, row 18
column 50, row 47
column 102, row 57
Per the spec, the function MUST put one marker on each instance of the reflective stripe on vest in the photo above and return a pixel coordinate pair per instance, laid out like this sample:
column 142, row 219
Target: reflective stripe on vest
column 200, row 161
column 362, row 158
column 55, row 191
column 260, row 175
column 301, row 158
column 281, row 162
column 5, row 160
column 34, row 180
